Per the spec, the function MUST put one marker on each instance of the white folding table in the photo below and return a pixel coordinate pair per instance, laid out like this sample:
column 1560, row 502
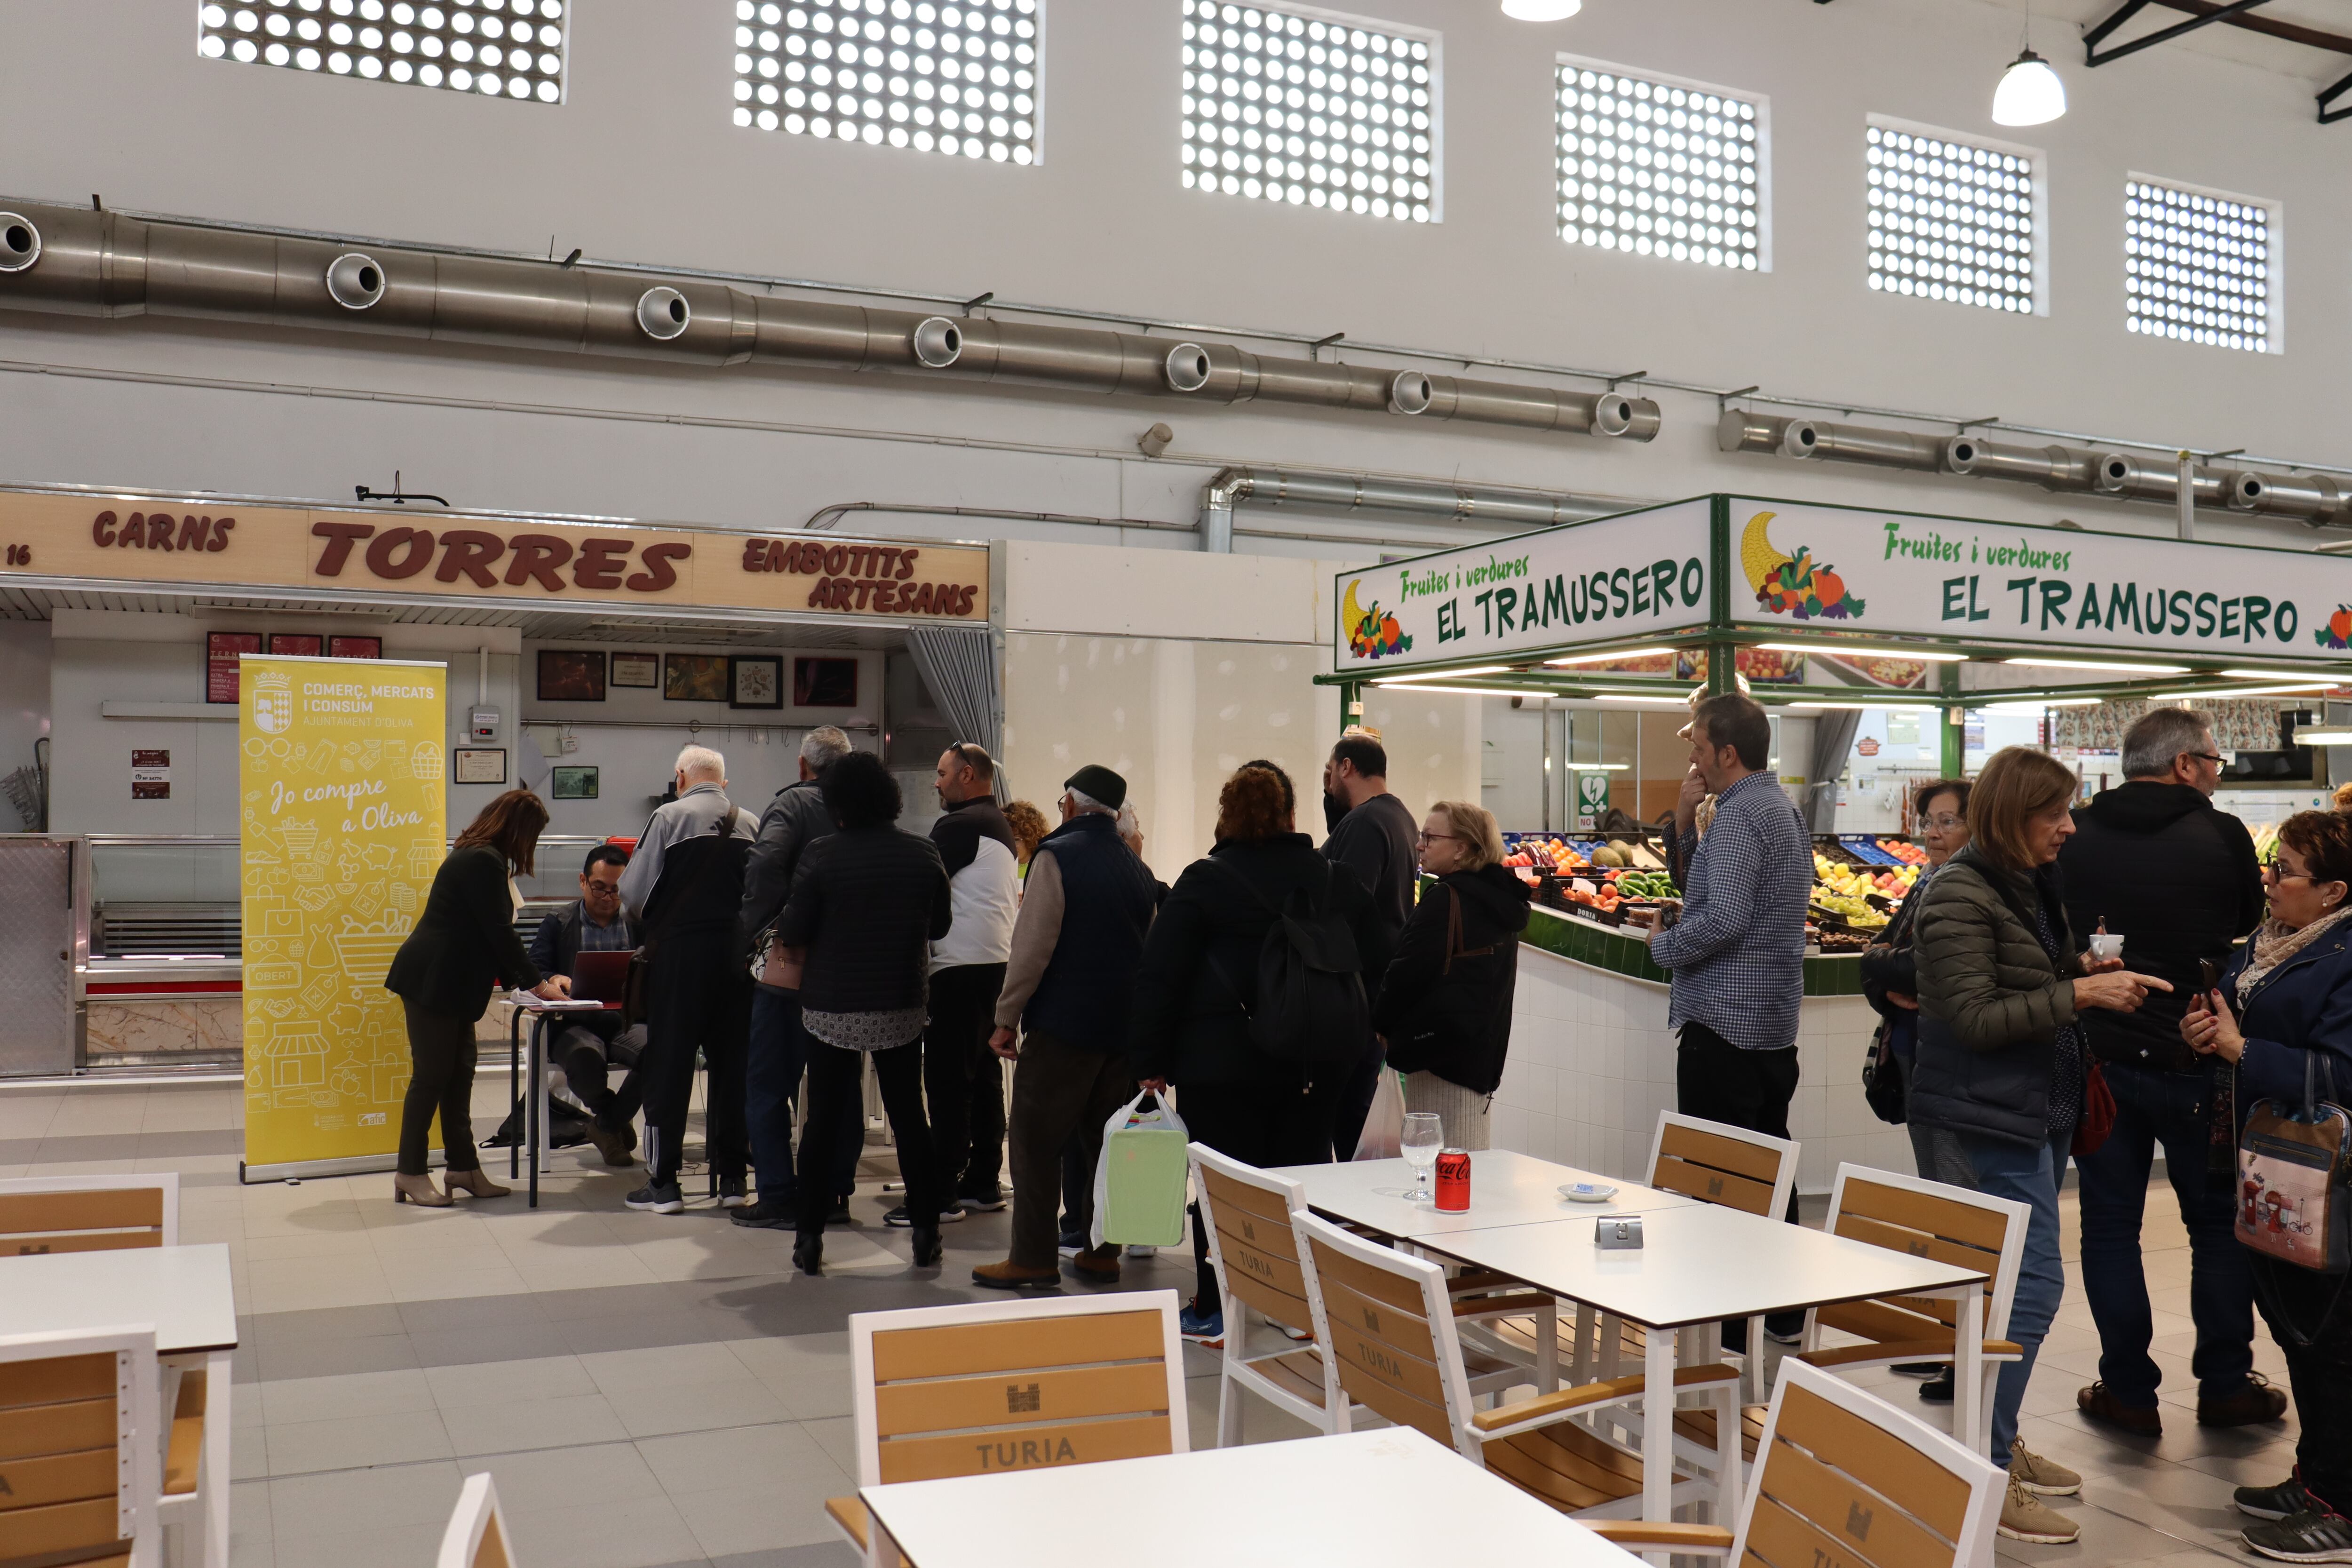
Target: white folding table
column 1385, row 1498
column 185, row 1292
column 535, row 1134
column 1505, row 1189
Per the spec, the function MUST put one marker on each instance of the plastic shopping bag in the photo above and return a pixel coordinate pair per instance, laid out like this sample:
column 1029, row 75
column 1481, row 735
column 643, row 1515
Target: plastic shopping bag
column 1384, row 1124
column 1140, row 1179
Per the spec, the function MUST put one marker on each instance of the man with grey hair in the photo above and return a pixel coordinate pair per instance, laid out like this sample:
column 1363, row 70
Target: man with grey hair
column 2179, row 881
column 778, row 1049
column 683, row 887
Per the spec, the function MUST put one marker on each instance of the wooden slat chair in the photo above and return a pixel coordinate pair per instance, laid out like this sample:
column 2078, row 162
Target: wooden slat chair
column 1010, row 1385
column 99, row 1214
column 1754, row 1173
column 476, row 1535
column 1923, row 1219
column 1393, row 1336
column 1847, row 1480
column 79, row 1448
column 1249, row 1214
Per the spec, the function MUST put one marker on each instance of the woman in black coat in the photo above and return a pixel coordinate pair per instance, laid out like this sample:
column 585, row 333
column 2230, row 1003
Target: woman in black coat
column 463, row 946
column 1199, row 978
column 868, row 902
column 1444, row 1006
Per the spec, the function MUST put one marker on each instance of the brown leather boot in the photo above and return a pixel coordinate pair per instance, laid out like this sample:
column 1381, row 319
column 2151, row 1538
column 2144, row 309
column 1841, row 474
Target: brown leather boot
column 2099, row 1404
column 1099, row 1264
column 473, row 1183
column 1010, row 1276
column 418, row 1190
column 2257, row 1402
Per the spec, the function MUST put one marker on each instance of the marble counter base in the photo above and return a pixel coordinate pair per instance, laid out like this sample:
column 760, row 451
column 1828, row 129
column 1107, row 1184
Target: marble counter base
column 213, row 1026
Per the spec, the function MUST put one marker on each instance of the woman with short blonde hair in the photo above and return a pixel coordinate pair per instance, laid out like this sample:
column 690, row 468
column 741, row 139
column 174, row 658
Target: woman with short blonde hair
column 1474, row 828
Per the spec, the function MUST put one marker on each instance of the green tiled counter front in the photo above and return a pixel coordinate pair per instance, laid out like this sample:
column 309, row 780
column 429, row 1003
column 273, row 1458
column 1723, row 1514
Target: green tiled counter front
column 1607, row 948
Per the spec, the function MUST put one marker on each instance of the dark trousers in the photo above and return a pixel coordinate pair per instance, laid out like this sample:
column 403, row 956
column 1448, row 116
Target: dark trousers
column 963, row 1012
column 1269, row 1121
column 697, row 997
column 772, row 1083
column 1079, row 1184
column 587, row 1051
column 2174, row 1109
column 984, row 1169
column 1716, row 1079
column 2297, row 1303
column 836, row 1076
column 1061, row 1093
column 1354, row 1105
column 441, row 1056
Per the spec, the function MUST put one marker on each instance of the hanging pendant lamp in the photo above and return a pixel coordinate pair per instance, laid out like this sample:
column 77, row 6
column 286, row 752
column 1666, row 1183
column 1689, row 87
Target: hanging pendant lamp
column 1541, row 10
column 2030, row 92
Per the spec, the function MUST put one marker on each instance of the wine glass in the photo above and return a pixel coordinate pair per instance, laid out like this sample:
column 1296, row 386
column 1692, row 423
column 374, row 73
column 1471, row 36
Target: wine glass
column 1419, row 1143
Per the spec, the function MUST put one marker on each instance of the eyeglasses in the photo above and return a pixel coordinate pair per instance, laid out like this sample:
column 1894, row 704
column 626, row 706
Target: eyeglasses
column 1427, row 838
column 1943, row 824
column 2204, row 757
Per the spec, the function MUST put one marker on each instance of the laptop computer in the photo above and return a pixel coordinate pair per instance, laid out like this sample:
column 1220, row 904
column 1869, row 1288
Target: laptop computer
column 599, row 976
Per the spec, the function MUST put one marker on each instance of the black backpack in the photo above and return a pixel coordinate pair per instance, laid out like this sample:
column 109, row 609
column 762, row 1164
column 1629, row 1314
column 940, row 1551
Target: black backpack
column 1310, row 1009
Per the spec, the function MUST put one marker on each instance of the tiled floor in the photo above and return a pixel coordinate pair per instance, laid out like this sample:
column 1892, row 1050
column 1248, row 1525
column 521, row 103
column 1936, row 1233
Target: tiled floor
column 653, row 1390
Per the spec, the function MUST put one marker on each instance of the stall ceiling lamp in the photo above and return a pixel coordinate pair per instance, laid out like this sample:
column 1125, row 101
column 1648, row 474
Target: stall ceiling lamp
column 2229, row 691
column 2038, row 707
column 2100, row 664
column 1597, row 767
column 1654, row 701
column 2286, row 674
column 1541, row 10
column 1447, row 674
column 2323, row 736
column 1621, row 653
column 1866, row 652
column 1866, row 707
column 1464, row 690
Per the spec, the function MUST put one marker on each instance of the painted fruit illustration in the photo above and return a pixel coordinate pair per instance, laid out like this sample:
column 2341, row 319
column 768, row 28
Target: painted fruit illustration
column 1370, row 633
column 2337, row 632
column 1792, row 585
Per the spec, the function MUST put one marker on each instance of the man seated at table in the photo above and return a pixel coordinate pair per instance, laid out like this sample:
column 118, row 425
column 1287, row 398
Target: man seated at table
column 589, row 1042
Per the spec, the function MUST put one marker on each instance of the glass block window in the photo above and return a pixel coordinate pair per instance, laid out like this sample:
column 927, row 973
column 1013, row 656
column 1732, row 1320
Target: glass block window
column 960, row 79
column 2199, row 266
column 1310, row 109
column 1955, row 219
column 1660, row 168
column 500, row 49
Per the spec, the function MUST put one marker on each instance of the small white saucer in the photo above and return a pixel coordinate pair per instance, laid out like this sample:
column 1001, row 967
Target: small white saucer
column 1588, row 1192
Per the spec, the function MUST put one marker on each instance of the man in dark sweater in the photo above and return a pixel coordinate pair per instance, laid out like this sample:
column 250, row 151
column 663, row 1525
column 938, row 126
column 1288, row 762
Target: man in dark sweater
column 2179, row 881
column 1076, row 949
column 1377, row 837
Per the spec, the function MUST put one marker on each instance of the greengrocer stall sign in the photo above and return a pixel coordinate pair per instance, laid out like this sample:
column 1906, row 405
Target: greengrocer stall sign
column 1866, row 571
column 1638, row 574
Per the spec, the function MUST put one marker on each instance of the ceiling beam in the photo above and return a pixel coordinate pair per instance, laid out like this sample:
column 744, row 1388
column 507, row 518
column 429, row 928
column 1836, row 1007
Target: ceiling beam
column 2293, row 32
column 2204, row 15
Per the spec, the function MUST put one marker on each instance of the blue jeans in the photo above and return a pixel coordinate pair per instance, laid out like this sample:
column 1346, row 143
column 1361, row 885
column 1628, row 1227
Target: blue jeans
column 2176, row 1111
column 2027, row 1174
column 779, row 1055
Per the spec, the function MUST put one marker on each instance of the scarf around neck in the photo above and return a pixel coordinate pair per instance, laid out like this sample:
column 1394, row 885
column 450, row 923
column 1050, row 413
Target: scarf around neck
column 2275, row 944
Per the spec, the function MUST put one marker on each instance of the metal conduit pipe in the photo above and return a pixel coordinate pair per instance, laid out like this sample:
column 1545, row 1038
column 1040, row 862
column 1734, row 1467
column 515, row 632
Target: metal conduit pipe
column 70, row 261
column 2317, row 500
column 1505, row 510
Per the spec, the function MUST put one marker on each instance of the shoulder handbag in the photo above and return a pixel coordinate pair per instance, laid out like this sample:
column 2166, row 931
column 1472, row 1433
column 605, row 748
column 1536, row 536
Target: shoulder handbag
column 2293, row 1167
column 1882, row 1077
column 637, row 1003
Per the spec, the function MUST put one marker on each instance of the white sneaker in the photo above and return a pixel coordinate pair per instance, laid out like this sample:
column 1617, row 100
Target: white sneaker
column 1144, row 1252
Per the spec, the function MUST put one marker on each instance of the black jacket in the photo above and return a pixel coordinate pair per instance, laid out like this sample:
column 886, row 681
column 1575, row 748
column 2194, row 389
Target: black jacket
column 1445, row 1002
column 1889, row 965
column 465, row 942
column 557, row 944
column 793, row 820
column 866, row 903
column 2179, row 881
column 1377, row 841
column 1200, row 960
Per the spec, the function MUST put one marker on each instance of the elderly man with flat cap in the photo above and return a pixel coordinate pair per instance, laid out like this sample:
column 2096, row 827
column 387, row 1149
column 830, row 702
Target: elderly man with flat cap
column 1075, row 947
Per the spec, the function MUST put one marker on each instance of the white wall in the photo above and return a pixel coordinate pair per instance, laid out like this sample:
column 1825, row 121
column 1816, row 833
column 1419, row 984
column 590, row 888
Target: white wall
column 109, row 95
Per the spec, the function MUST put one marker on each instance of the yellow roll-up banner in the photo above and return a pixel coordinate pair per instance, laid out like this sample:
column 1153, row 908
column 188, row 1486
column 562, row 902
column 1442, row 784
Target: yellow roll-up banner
column 341, row 771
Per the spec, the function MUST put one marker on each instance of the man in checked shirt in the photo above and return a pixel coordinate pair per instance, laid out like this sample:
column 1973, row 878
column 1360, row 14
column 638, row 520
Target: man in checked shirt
column 1737, row 951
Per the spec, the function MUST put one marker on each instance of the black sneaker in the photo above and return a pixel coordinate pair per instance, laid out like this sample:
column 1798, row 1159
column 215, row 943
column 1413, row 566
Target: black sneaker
column 1072, row 1243
column 657, row 1197
column 897, row 1217
column 2283, row 1500
column 1938, row 1390
column 1920, row 1368
column 2315, row 1535
column 734, row 1192
column 840, row 1215
column 989, row 1202
column 763, row 1216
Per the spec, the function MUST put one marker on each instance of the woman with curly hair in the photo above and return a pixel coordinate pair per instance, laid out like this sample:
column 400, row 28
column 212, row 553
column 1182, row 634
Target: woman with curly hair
column 1199, row 981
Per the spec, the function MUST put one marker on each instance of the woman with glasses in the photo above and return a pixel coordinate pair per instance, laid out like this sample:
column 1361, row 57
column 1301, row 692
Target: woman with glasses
column 2282, row 1018
column 1444, row 1009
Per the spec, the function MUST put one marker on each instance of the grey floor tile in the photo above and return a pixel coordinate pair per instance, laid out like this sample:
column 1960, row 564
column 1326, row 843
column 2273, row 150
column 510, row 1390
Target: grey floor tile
column 355, row 1442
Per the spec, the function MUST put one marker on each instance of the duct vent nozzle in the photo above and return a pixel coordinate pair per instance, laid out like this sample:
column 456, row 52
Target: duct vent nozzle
column 20, row 242
column 1188, row 367
column 1800, row 439
column 2245, row 491
column 1408, row 393
column 1960, row 455
column 354, row 281
column 2112, row 472
column 937, row 342
column 664, row 313
column 1613, row 415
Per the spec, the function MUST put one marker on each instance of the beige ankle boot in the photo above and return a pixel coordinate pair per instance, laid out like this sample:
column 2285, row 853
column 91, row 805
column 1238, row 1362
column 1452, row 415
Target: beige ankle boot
column 474, row 1184
column 407, row 1189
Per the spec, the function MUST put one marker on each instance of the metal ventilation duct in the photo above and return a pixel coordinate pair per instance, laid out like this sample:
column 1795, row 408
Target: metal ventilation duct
column 70, row 261
column 2313, row 499
column 1506, row 510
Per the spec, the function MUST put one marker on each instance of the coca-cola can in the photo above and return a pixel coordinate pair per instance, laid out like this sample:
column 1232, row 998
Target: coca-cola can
column 1453, row 1181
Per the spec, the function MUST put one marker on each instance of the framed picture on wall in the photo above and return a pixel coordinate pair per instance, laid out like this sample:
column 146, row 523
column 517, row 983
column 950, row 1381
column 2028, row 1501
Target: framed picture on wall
column 636, row 670
column 573, row 784
column 694, row 677
column 755, row 680
column 222, row 650
column 824, row 683
column 354, row 647
column 571, row 675
column 296, row 645
column 479, row 764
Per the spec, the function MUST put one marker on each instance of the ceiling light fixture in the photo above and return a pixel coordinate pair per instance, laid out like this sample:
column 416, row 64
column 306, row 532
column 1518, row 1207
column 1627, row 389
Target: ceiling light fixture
column 2030, row 92
column 1866, row 652
column 1541, row 10
column 2236, row 692
column 2038, row 707
column 1468, row 690
column 1597, row 767
column 2316, row 737
column 1444, row 674
column 1621, row 653
column 2287, row 675
column 2099, row 664
column 1656, row 701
